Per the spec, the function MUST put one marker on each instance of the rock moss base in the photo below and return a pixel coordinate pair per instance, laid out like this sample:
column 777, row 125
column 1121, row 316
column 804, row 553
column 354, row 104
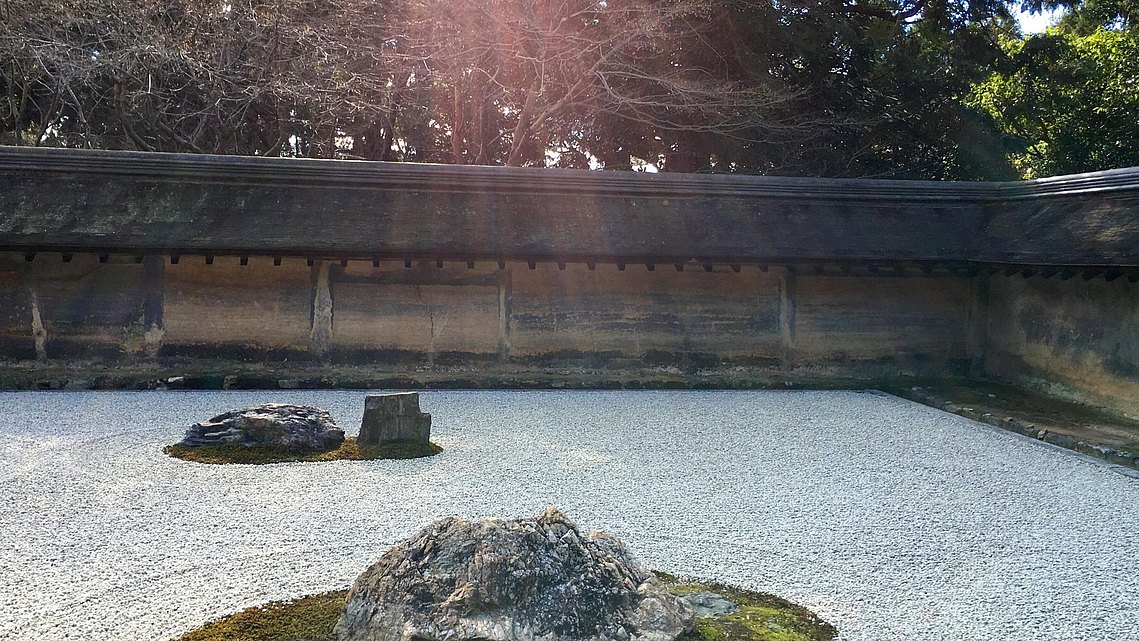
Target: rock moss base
column 309, row 618
column 350, row 450
column 760, row 617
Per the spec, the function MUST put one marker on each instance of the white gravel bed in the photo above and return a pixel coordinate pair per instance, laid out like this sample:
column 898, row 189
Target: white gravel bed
column 890, row 519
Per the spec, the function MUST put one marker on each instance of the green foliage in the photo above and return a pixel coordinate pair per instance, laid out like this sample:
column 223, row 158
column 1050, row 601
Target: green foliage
column 1087, row 16
column 350, row 450
column 1070, row 101
column 760, row 617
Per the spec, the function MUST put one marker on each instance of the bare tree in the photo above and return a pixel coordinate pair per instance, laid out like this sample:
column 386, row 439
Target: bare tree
column 203, row 77
column 463, row 81
column 521, row 77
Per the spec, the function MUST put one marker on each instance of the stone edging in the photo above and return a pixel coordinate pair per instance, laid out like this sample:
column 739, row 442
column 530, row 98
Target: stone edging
column 1012, row 424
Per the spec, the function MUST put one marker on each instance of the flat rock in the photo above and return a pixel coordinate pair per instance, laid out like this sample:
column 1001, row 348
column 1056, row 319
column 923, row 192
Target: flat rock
column 394, row 418
column 291, row 426
column 709, row 604
column 535, row 579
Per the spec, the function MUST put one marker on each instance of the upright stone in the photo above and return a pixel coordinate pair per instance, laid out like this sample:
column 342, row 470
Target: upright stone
column 390, row 418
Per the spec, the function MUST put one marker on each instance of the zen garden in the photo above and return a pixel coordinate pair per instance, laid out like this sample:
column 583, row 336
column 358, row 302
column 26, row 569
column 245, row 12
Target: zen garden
column 534, row 320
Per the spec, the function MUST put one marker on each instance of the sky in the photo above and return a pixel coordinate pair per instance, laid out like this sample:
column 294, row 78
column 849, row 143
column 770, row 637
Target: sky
column 1036, row 23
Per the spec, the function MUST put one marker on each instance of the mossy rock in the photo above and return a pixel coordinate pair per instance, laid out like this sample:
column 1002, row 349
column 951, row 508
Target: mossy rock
column 760, row 617
column 349, row 450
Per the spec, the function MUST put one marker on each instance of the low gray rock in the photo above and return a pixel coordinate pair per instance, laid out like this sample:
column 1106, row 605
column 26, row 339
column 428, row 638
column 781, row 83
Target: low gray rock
column 393, row 418
column 292, row 426
column 709, row 604
column 536, row 579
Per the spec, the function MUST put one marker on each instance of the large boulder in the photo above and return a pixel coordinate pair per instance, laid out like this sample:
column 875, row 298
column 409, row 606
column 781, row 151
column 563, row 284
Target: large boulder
column 537, row 579
column 394, row 418
column 290, row 426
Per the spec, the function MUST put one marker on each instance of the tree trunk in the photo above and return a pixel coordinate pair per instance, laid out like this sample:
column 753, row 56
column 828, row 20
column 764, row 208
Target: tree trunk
column 457, row 125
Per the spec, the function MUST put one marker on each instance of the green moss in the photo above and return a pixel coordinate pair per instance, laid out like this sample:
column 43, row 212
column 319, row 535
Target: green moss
column 310, row 618
column 760, row 617
column 350, row 450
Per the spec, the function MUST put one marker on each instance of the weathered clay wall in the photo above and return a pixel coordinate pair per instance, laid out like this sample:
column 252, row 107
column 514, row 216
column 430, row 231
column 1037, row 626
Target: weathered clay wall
column 398, row 313
column 664, row 314
column 1077, row 338
column 230, row 309
column 392, row 312
column 16, row 312
column 903, row 319
column 77, row 309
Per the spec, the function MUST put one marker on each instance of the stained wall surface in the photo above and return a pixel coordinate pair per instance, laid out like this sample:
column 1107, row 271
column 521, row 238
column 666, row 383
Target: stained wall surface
column 410, row 313
column 845, row 318
column 235, row 307
column 1075, row 337
column 82, row 308
column 633, row 312
column 16, row 340
column 1078, row 338
column 392, row 312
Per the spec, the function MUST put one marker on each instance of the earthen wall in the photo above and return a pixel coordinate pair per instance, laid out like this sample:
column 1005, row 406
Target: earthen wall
column 393, row 312
column 1065, row 336
column 1075, row 337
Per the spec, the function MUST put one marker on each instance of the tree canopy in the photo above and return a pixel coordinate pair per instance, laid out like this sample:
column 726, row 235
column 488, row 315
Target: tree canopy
column 1069, row 98
column 943, row 89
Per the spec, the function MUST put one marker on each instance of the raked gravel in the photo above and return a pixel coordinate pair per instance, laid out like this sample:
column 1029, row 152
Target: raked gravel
column 890, row 519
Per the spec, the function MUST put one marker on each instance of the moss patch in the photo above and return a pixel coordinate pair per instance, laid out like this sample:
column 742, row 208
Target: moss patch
column 309, row 618
column 760, row 617
column 350, row 450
